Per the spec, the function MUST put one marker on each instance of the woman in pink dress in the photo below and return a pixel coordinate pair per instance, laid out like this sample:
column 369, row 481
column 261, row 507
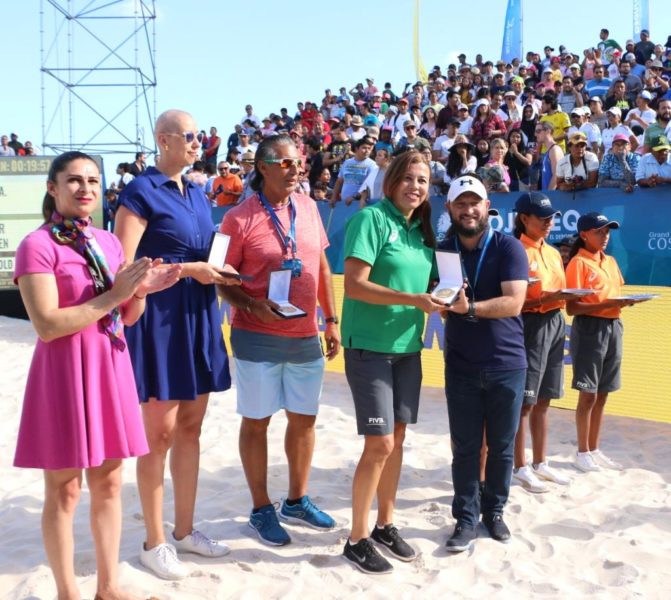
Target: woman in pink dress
column 80, row 411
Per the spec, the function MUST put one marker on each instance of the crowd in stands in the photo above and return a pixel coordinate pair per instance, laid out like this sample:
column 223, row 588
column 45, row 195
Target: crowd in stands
column 556, row 120
column 11, row 146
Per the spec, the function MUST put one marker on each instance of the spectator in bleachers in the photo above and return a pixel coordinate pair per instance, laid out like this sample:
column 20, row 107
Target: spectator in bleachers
column 233, row 139
column 356, row 130
column 443, row 143
column 597, row 117
column 559, row 120
column 599, row 84
column 16, row 145
column 579, row 169
column 384, row 142
column 465, row 120
column 518, row 161
column 370, row 191
column 411, row 139
column 617, row 97
column 569, row 97
column 450, row 111
column 615, row 126
column 633, row 83
column 655, row 83
column 642, row 115
column 267, row 127
column 461, row 159
column 513, row 110
column 655, row 168
column 618, row 167
column 550, row 158
column 227, row 187
column 589, row 64
column 495, row 174
column 428, row 127
column 486, row 124
column 315, row 158
column 354, row 171
column 125, row 176
column 337, row 152
column 247, row 164
column 5, row 148
column 250, row 116
column 138, row 166
column 481, row 152
column 607, row 47
column 29, row 149
column 245, row 145
column 528, row 125
column 579, row 122
column 662, row 124
column 197, row 174
column 644, row 48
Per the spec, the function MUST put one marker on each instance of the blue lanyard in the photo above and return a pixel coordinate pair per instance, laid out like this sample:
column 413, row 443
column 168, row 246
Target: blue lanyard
column 488, row 239
column 288, row 239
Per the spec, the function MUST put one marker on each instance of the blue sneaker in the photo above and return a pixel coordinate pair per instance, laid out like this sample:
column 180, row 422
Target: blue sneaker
column 267, row 527
column 306, row 513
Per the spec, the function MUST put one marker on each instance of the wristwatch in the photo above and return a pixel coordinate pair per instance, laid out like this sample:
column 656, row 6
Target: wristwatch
column 470, row 315
column 333, row 320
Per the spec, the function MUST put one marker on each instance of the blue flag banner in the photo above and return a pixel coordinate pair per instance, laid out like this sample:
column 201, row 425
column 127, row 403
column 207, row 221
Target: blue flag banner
column 641, row 16
column 512, row 32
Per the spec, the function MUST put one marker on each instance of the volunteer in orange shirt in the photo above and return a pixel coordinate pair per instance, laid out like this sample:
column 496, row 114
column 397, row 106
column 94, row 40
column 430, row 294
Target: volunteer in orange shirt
column 596, row 334
column 227, row 188
column 544, row 335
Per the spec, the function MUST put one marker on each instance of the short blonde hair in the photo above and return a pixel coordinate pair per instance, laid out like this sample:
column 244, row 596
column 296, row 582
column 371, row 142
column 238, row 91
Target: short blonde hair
column 498, row 142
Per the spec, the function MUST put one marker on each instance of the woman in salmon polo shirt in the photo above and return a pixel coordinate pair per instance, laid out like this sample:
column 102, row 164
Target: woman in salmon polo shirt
column 544, row 335
column 278, row 235
column 596, row 334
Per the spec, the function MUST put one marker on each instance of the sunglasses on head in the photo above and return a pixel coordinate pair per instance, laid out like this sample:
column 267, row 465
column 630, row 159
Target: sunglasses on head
column 189, row 136
column 285, row 163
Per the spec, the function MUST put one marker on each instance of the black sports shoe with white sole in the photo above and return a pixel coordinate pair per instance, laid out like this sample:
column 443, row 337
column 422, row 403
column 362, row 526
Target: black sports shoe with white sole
column 366, row 558
column 389, row 538
column 462, row 538
column 498, row 530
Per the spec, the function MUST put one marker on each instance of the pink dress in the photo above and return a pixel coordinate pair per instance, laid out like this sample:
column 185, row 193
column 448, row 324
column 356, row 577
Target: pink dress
column 80, row 406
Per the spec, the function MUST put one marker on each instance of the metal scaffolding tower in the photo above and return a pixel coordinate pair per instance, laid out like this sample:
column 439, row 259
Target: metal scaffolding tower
column 98, row 64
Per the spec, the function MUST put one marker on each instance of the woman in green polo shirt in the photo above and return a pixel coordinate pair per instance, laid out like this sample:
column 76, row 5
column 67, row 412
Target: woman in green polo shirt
column 389, row 261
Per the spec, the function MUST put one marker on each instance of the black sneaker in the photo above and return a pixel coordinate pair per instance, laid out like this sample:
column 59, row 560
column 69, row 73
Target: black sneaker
column 366, row 558
column 389, row 538
column 498, row 530
column 462, row 538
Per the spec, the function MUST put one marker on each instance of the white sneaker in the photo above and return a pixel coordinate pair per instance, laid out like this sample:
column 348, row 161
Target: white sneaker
column 605, row 461
column 198, row 543
column 162, row 561
column 544, row 471
column 585, row 462
column 526, row 478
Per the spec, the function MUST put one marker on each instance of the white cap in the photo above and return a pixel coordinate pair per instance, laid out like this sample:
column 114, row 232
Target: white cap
column 466, row 183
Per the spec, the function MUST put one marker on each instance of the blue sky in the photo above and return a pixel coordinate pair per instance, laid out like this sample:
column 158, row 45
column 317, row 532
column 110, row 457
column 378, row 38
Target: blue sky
column 215, row 56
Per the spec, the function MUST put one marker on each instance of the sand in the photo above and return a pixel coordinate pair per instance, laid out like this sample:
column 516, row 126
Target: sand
column 606, row 535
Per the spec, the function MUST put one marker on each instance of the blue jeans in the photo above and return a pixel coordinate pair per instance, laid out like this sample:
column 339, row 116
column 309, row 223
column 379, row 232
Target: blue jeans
column 476, row 399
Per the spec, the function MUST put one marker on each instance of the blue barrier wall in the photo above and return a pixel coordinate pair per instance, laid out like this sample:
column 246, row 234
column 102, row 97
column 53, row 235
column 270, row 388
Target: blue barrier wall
column 642, row 246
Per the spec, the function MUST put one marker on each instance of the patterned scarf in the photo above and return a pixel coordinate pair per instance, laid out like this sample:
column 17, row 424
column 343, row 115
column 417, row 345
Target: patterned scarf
column 78, row 233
